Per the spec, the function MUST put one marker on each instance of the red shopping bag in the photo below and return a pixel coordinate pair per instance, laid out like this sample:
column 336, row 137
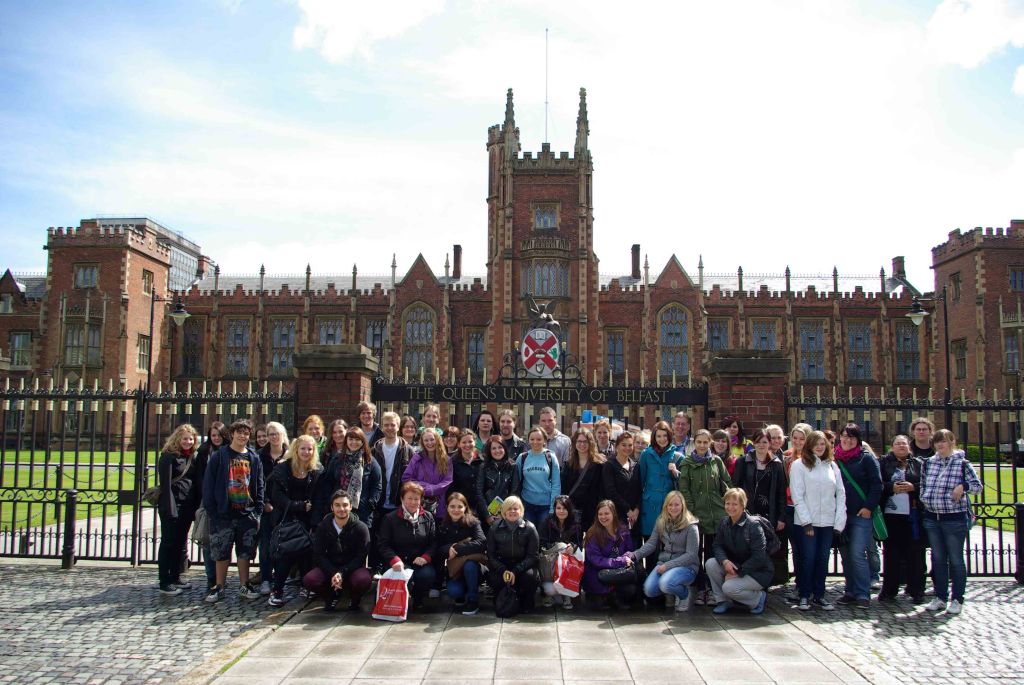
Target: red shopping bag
column 393, row 596
column 569, row 573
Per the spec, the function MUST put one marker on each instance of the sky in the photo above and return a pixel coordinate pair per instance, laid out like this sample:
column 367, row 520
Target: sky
column 754, row 133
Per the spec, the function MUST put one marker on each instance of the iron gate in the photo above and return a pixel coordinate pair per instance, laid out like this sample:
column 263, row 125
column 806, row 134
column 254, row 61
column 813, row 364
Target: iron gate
column 75, row 461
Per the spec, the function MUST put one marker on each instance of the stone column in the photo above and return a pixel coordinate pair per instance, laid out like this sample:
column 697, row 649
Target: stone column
column 332, row 380
column 750, row 385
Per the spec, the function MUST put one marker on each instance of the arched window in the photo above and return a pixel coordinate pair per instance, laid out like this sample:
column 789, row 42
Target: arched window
column 418, row 340
column 674, row 342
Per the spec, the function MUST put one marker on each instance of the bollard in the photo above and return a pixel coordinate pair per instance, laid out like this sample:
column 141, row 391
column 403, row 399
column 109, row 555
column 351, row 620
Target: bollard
column 67, row 556
column 1018, row 534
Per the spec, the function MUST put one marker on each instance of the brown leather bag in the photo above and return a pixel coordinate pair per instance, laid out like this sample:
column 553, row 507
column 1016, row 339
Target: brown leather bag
column 455, row 565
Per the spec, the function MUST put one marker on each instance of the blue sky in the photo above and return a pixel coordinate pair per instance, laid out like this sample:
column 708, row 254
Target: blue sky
column 756, row 133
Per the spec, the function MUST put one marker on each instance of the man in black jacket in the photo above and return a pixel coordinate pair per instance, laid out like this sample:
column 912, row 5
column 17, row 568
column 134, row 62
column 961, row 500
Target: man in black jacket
column 514, row 445
column 367, row 411
column 339, row 548
column 393, row 455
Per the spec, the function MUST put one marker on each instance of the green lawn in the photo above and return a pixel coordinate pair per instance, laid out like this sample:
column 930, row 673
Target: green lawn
column 88, row 471
column 998, row 482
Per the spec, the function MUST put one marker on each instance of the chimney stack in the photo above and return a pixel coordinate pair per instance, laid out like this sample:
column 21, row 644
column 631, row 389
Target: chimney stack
column 635, row 273
column 457, row 262
column 898, row 270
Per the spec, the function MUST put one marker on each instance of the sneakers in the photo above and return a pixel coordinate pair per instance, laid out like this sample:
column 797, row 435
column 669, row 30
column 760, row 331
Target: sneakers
column 567, row 603
column 247, row 591
column 182, row 584
column 330, row 605
column 170, row 590
column 305, row 593
column 276, row 599
column 547, row 602
column 460, row 602
column 823, row 604
column 670, row 601
column 700, row 597
column 471, row 609
column 954, row 608
column 434, row 593
column 804, row 605
column 215, row 595
column 759, row 609
column 682, row 605
column 863, row 604
column 722, row 607
column 265, row 588
column 937, row 605
column 846, row 600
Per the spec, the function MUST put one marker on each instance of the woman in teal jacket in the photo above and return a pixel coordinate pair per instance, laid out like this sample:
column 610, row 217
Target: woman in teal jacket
column 659, row 470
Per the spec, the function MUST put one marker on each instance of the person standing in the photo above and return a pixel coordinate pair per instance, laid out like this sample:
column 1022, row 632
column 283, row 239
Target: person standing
column 465, row 468
column 720, row 446
column 340, row 546
column 484, row 427
column 431, row 470
column 313, row 426
column 703, row 481
column 621, row 483
column 863, row 482
column 797, row 437
column 367, row 412
column 392, row 455
column 603, row 436
column 539, row 478
column 921, row 431
column 581, row 477
column 497, row 479
column 762, row 476
column 270, row 455
column 819, row 501
column 659, row 472
column 291, row 488
column 681, row 440
column 946, row 481
column 233, row 491
column 903, row 561
column 216, row 438
column 557, row 441
column 514, row 445
column 176, row 477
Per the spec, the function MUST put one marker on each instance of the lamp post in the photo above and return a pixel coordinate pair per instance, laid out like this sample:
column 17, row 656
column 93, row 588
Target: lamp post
column 178, row 316
column 917, row 314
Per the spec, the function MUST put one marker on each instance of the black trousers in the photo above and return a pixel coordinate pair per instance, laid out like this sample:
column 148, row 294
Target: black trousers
column 173, row 535
column 707, row 551
column 283, row 568
column 903, row 558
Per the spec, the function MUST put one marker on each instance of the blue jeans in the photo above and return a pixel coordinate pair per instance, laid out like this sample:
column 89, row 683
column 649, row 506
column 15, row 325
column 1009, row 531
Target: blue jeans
column 536, row 513
column 855, row 556
column 947, row 538
column 814, row 553
column 675, row 581
column 465, row 587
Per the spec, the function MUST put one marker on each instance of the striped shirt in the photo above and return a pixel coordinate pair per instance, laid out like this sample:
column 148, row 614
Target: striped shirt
column 940, row 476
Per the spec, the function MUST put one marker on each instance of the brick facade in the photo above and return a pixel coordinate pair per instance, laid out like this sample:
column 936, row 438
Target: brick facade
column 837, row 332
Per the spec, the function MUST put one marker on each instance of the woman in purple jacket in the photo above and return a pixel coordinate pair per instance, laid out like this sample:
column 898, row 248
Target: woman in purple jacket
column 431, row 470
column 608, row 542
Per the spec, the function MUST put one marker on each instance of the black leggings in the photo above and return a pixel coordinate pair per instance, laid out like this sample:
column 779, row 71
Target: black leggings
column 173, row 532
column 707, row 551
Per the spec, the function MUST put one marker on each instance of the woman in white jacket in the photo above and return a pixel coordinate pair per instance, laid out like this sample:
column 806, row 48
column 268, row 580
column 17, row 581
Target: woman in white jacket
column 819, row 498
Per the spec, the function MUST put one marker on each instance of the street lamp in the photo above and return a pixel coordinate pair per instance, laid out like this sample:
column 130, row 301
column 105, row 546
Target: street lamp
column 917, row 314
column 178, row 315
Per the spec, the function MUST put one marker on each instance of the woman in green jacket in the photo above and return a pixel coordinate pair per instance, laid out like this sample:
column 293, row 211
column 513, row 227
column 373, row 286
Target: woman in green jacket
column 703, row 479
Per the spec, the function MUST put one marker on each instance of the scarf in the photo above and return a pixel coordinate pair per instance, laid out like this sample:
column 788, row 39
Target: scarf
column 701, row 459
column 660, row 451
column 846, row 455
column 410, row 517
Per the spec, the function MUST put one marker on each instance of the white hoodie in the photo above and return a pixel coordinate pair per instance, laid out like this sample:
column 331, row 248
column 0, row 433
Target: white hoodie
column 818, row 494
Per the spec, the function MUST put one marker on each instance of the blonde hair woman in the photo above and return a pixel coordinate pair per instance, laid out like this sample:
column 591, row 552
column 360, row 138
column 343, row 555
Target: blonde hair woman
column 179, row 484
column 676, row 540
column 740, row 570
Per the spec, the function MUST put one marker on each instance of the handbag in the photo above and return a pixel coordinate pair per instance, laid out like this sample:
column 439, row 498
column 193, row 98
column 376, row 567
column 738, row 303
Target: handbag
column 151, row 495
column 201, row 528
column 290, row 538
column 625, row 575
column 546, row 561
column 506, row 602
column 877, row 518
column 392, row 602
column 569, row 573
column 455, row 565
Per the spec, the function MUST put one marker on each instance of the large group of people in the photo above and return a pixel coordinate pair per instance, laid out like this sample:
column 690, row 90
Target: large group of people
column 663, row 517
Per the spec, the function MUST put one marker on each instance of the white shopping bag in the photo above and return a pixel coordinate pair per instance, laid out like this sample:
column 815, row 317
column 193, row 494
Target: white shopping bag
column 393, row 596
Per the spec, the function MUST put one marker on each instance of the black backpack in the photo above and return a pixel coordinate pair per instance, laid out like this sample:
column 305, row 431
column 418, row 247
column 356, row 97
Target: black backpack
column 771, row 540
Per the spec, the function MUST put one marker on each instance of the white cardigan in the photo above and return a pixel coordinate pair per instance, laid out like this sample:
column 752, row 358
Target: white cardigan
column 819, row 496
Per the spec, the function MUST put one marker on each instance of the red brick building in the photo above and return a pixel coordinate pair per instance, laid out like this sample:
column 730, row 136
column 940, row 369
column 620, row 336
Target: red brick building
column 87, row 318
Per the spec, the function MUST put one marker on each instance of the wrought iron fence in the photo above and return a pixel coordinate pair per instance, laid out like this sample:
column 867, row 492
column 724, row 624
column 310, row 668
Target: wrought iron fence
column 74, row 461
column 988, row 430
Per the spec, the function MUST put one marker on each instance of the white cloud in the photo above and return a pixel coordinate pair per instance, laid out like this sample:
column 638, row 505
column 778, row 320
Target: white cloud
column 341, row 29
column 967, row 32
column 1018, row 81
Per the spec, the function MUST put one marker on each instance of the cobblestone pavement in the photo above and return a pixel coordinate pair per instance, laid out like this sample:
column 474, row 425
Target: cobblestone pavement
column 110, row 625
column 886, row 644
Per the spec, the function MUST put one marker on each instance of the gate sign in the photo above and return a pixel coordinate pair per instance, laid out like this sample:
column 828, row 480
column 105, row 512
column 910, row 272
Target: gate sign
column 540, row 353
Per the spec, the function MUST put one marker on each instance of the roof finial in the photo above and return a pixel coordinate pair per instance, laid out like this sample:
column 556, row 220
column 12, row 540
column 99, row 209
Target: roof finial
column 394, row 268
column 582, row 124
column 835, row 280
column 510, row 117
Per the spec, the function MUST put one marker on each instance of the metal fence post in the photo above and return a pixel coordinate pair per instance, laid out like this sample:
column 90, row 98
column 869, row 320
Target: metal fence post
column 1018, row 522
column 67, row 556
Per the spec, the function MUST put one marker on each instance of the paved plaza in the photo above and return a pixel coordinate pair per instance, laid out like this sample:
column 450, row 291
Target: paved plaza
column 108, row 625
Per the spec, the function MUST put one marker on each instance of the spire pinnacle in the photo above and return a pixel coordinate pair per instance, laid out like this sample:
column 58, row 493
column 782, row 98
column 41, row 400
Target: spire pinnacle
column 510, row 117
column 582, row 124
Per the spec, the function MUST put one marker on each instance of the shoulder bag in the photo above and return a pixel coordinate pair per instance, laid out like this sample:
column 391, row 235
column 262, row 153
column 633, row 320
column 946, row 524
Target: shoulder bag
column 151, row 496
column 877, row 519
